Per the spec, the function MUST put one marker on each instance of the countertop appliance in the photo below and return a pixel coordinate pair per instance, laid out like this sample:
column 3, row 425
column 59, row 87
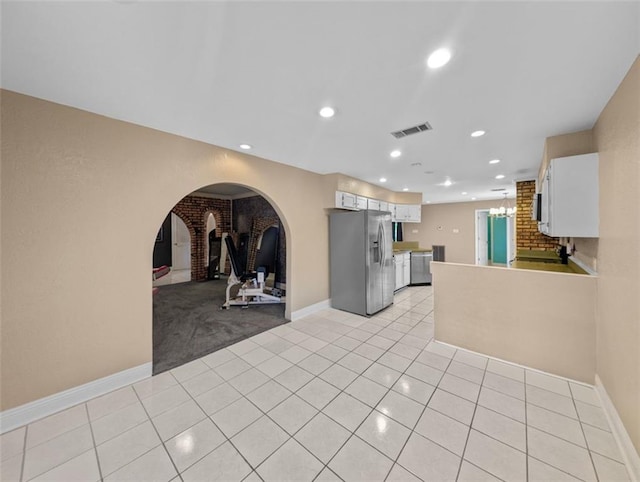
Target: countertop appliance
column 362, row 275
column 421, row 267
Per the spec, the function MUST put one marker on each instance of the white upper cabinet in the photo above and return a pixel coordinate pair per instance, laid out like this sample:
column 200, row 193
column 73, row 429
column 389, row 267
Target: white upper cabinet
column 570, row 197
column 374, row 204
column 402, row 213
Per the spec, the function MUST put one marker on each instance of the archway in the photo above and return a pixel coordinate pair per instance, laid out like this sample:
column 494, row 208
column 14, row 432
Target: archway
column 187, row 321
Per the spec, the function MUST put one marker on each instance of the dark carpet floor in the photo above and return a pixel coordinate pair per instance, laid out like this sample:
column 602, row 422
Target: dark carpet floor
column 188, row 322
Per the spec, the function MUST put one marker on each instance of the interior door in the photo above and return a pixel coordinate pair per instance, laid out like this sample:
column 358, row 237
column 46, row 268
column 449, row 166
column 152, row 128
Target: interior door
column 180, row 244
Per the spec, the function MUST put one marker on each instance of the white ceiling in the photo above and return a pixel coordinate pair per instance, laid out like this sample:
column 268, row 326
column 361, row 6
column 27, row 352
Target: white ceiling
column 257, row 72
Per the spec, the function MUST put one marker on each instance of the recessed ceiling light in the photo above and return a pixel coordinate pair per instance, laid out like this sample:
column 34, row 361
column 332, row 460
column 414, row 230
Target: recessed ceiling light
column 245, row 146
column 428, row 202
column 473, row 199
column 405, row 189
column 395, row 153
column 383, row 179
column 439, row 58
column 327, row 112
column 494, row 161
column 500, row 176
column 464, row 193
column 477, row 133
column 447, row 183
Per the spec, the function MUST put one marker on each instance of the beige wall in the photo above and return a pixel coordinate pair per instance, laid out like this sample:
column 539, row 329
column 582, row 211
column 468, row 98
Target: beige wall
column 617, row 139
column 439, row 222
column 564, row 145
column 82, row 199
column 517, row 315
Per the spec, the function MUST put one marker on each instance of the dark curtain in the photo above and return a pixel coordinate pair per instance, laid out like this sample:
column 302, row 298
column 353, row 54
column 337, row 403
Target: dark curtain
column 397, row 231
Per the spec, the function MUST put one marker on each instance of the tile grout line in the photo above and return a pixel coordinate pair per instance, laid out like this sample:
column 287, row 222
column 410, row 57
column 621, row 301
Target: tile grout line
column 93, row 439
column 24, row 452
column 586, row 441
column 473, row 416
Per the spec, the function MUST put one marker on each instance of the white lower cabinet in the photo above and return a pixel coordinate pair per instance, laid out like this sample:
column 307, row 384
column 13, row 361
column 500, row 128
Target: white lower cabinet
column 403, row 269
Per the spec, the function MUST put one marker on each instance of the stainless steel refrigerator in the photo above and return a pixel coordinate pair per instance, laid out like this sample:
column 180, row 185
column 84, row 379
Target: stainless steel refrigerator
column 361, row 261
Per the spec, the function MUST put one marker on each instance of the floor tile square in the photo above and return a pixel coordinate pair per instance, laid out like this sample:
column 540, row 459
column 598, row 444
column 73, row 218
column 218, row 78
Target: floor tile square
column 381, row 374
column 268, row 395
column 109, row 403
column 176, row 420
column 278, row 345
column 427, row 460
column 384, row 434
column 460, row 387
column 369, row 352
column 358, row 460
column 541, row 472
column 291, row 462
column 400, row 474
column 400, row 408
column 602, row 442
column 584, row 394
column 504, row 404
column 125, row 448
column 10, row 468
column 332, row 352
column 407, row 351
column 380, row 342
column 189, row 370
column 257, row 356
column 354, row 362
column 560, row 454
column 313, row 344
column 367, row 391
column 322, row 437
column 506, row 370
column 553, row 423
column 425, row 373
column 295, row 354
column 165, row 400
column 248, row 381
column 194, row 443
column 443, row 430
column 441, row 349
column 218, row 358
column 592, row 415
column 274, row 366
column 433, row 360
column 453, row 406
column 154, row 385
column 259, row 440
column 472, row 359
column 292, row 414
column 57, row 424
column 608, row 469
column 224, row 463
column 83, row 468
column 346, row 343
column 548, row 382
column 466, row 372
column 347, row 411
column 338, row 376
column 242, row 347
column 53, row 452
column 394, row 361
column 294, row 378
column 507, row 386
column 318, row 393
column 203, row 382
column 471, row 473
column 236, row 416
column 114, row 424
column 327, row 476
column 501, row 428
column 12, row 443
column 232, row 368
column 315, row 364
column 217, row 398
column 494, row 457
column 154, row 465
column 551, row 401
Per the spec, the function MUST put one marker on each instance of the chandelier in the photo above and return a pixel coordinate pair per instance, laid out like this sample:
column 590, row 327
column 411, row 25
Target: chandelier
column 505, row 209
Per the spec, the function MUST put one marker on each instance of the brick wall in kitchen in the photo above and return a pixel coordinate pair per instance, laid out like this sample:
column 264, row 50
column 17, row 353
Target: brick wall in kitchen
column 194, row 211
column 527, row 234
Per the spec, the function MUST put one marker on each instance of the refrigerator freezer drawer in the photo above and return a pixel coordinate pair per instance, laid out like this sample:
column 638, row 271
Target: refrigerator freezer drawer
column 421, row 268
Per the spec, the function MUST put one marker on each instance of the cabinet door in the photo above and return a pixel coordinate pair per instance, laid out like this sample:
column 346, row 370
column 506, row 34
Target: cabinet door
column 384, row 206
column 392, row 210
column 362, row 202
column 399, row 272
column 402, row 212
column 407, row 269
column 415, row 213
column 373, row 204
column 345, row 200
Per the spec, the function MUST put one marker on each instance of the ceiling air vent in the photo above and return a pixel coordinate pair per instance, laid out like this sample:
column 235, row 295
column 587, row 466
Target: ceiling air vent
column 412, row 130
column 499, row 189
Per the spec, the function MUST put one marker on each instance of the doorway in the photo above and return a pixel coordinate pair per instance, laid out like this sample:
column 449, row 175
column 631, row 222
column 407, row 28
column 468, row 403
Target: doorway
column 495, row 239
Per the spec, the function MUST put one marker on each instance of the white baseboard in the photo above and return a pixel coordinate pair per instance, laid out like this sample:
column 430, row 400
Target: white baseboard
column 309, row 310
column 629, row 453
column 29, row 412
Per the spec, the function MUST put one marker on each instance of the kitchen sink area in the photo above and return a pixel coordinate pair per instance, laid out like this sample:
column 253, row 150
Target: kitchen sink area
column 545, row 261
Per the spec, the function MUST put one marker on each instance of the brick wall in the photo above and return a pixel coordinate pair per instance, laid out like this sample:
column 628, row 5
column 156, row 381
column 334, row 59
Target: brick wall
column 527, row 234
column 194, row 211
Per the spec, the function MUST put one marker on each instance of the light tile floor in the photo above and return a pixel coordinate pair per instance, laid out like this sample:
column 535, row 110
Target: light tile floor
column 332, row 396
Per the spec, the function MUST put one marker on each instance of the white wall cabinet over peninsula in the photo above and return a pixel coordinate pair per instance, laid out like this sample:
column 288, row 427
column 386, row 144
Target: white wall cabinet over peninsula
column 570, row 197
column 402, row 213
